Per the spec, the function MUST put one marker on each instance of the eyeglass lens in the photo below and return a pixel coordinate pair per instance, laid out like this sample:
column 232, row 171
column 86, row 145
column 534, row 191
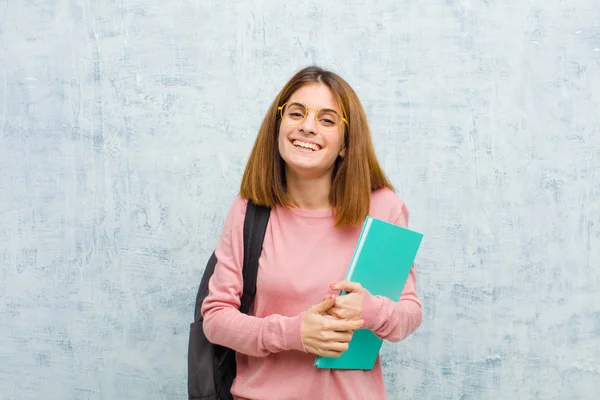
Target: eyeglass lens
column 294, row 113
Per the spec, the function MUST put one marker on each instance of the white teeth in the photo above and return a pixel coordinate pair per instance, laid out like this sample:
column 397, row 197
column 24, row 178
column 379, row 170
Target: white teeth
column 305, row 145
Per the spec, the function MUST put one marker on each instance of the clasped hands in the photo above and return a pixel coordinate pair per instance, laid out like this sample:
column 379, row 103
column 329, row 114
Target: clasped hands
column 327, row 327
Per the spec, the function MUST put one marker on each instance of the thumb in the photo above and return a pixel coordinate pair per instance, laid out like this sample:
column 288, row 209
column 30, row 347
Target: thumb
column 325, row 305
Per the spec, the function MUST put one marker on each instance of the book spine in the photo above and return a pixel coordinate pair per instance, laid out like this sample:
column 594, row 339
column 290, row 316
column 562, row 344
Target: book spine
column 361, row 240
column 359, row 246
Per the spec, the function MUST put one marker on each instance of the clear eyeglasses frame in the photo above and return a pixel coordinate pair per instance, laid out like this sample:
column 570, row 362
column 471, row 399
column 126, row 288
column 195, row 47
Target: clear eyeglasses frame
column 294, row 113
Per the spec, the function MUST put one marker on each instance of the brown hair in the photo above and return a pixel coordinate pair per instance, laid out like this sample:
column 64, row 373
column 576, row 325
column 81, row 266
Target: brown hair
column 354, row 176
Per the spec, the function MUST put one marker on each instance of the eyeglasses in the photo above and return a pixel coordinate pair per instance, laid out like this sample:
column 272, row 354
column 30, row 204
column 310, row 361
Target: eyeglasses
column 294, row 113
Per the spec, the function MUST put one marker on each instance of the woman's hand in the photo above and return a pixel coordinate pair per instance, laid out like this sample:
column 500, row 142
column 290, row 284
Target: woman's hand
column 348, row 306
column 326, row 336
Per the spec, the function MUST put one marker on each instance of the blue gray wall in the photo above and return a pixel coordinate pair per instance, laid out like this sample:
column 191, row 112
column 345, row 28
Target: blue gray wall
column 125, row 126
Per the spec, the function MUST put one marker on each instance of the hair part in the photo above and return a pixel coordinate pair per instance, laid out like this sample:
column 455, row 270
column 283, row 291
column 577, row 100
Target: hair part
column 354, row 176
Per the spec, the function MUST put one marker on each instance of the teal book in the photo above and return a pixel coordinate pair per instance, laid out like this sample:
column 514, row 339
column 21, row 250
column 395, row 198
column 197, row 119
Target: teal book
column 381, row 263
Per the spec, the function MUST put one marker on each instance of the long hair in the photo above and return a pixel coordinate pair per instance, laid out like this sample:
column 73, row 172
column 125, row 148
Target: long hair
column 354, row 176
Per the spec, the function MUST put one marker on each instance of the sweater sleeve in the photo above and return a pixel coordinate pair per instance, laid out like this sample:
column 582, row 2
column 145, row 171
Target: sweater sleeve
column 223, row 323
column 394, row 320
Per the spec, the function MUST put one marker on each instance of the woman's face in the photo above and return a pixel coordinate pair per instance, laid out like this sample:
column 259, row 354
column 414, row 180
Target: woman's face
column 311, row 147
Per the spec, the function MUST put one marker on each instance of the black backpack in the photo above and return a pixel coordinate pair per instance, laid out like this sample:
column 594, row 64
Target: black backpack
column 212, row 368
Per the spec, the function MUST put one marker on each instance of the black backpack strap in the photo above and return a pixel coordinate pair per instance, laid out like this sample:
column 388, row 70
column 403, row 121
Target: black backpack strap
column 255, row 225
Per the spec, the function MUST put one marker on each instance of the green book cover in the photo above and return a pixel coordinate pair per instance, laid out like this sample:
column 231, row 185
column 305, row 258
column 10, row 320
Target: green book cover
column 381, row 263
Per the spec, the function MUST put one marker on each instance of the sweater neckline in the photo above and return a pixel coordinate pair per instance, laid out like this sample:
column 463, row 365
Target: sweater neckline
column 318, row 213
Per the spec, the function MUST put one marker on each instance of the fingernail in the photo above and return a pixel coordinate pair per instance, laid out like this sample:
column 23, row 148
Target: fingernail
column 333, row 286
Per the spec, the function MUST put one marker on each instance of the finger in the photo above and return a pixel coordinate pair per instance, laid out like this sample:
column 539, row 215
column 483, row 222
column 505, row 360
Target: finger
column 328, row 296
column 343, row 325
column 337, row 346
column 332, row 349
column 323, row 306
column 347, row 286
column 336, row 312
column 340, row 337
column 329, row 348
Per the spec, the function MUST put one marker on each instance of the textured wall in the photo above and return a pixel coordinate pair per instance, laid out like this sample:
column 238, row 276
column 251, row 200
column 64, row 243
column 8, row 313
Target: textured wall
column 125, row 125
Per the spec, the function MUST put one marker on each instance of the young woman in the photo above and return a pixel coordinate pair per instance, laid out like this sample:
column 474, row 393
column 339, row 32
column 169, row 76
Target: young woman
column 314, row 164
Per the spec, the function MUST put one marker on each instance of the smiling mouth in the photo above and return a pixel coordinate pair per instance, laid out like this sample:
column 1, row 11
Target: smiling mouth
column 306, row 146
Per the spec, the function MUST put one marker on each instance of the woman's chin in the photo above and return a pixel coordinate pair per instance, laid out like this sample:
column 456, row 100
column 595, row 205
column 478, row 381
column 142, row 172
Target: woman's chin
column 306, row 169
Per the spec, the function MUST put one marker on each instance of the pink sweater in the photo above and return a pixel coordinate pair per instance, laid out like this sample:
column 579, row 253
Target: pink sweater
column 303, row 253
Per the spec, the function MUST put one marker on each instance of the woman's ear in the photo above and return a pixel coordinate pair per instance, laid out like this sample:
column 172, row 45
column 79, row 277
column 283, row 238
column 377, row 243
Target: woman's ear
column 342, row 152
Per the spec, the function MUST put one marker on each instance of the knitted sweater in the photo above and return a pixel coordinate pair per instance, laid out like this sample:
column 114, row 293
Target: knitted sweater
column 303, row 254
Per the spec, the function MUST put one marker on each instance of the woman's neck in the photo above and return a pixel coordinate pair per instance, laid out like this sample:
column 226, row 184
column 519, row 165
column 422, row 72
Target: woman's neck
column 309, row 193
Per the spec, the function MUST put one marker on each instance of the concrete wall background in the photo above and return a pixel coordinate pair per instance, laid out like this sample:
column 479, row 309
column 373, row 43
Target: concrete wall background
column 124, row 128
